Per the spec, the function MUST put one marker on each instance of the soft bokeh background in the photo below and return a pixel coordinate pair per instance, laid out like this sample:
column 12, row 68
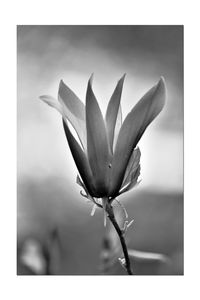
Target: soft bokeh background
column 50, row 208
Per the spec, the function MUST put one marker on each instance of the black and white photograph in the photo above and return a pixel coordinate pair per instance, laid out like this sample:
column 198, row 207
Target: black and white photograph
column 100, row 126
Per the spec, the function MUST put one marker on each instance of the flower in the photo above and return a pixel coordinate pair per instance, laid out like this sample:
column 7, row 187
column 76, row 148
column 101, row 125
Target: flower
column 107, row 158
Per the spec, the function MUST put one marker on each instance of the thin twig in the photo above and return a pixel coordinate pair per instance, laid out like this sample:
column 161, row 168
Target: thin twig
column 120, row 233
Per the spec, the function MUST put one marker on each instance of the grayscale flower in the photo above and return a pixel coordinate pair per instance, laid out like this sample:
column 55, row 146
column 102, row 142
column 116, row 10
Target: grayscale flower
column 107, row 156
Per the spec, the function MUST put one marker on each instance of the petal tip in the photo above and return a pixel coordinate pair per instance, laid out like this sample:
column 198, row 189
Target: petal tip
column 46, row 98
column 161, row 88
column 162, row 83
column 162, row 79
column 61, row 87
column 91, row 79
column 41, row 97
column 123, row 77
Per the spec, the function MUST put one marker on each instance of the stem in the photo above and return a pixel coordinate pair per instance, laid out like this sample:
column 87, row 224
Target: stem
column 120, row 233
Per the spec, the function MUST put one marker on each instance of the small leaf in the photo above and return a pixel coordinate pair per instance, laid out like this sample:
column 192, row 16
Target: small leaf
column 147, row 256
column 93, row 210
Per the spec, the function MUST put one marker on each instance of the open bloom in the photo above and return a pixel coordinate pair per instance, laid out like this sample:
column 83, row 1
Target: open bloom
column 106, row 157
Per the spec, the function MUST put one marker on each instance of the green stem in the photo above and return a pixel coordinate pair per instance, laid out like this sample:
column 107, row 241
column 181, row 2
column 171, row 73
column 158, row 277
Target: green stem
column 120, row 233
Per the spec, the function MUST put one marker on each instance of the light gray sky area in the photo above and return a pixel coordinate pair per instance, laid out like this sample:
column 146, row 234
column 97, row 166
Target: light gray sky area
column 47, row 54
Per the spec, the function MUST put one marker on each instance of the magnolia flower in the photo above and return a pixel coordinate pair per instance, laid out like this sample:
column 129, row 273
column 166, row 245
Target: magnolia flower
column 105, row 152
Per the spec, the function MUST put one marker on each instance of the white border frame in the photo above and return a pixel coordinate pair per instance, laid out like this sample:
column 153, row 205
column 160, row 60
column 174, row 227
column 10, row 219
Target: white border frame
column 99, row 12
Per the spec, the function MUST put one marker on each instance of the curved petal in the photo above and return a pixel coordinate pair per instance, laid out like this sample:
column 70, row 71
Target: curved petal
column 133, row 128
column 97, row 143
column 133, row 164
column 118, row 126
column 113, row 110
column 133, row 181
column 80, row 160
column 74, row 110
column 53, row 103
column 87, row 194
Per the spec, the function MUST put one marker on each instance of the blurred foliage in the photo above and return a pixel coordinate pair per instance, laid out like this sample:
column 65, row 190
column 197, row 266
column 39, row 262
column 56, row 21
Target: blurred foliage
column 72, row 240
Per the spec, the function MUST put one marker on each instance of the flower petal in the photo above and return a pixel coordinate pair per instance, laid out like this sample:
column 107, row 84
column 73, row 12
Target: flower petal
column 87, row 194
column 133, row 181
column 118, row 126
column 133, row 128
column 133, row 164
column 80, row 159
column 53, row 103
column 74, row 110
column 97, row 143
column 112, row 111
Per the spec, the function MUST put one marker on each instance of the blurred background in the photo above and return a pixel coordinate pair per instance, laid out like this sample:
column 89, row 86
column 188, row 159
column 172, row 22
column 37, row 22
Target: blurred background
column 56, row 234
